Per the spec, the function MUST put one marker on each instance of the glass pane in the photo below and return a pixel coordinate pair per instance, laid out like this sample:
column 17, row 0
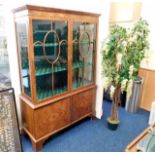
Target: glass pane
column 22, row 34
column 50, row 50
column 84, row 35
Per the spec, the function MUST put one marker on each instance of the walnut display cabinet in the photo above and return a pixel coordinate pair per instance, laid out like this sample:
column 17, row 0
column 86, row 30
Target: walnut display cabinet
column 57, row 60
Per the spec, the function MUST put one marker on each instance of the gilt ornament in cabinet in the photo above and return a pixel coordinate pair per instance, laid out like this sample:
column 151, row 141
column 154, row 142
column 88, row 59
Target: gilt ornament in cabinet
column 57, row 61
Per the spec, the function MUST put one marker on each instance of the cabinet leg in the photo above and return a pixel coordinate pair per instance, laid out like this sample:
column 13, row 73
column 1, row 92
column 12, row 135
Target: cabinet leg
column 37, row 145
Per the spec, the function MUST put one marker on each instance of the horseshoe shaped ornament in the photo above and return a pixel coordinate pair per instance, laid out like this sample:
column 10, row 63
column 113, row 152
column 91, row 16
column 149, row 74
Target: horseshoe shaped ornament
column 44, row 47
column 80, row 50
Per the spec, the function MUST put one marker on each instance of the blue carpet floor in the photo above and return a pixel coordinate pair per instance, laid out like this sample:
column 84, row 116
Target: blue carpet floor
column 93, row 135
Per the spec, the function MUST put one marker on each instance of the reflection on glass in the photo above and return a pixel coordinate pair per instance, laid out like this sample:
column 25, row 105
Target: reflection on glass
column 84, row 35
column 50, row 50
column 23, row 49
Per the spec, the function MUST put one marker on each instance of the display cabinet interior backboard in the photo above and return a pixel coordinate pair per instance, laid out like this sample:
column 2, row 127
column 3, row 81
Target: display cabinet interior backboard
column 57, row 61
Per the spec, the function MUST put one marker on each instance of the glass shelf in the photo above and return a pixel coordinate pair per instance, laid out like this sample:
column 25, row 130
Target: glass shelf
column 47, row 45
column 48, row 70
column 46, row 93
column 80, row 83
column 83, row 42
column 77, row 65
column 40, row 31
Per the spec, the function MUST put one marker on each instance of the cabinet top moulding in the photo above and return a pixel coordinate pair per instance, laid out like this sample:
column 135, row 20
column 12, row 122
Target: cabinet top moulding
column 49, row 9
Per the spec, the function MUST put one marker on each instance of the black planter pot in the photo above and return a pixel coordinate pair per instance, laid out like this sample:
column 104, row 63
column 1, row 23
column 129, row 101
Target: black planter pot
column 112, row 125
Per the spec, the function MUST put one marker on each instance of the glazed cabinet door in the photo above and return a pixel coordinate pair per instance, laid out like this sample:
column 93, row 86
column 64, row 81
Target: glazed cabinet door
column 83, row 54
column 50, row 41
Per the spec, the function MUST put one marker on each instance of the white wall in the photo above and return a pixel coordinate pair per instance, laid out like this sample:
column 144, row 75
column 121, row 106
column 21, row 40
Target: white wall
column 96, row 6
column 147, row 13
column 103, row 32
column 148, row 10
column 12, row 53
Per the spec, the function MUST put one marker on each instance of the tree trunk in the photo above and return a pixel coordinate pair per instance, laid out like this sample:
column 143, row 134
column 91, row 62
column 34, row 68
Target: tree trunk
column 116, row 102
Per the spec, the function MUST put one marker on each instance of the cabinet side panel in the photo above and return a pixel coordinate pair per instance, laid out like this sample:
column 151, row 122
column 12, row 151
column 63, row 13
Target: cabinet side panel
column 150, row 90
column 52, row 117
column 24, row 62
column 143, row 73
column 82, row 104
column 94, row 102
column 27, row 117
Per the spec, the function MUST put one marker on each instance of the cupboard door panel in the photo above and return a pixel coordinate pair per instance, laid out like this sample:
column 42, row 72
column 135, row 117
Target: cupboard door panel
column 52, row 117
column 82, row 104
column 148, row 95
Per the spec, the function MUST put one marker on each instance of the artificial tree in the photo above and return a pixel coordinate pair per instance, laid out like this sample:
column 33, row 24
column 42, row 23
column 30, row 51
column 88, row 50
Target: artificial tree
column 123, row 52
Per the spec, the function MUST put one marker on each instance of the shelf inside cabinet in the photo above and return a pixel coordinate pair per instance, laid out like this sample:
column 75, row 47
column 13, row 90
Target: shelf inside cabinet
column 46, row 93
column 86, row 42
column 77, row 65
column 80, row 83
column 48, row 70
column 83, row 42
column 47, row 45
column 40, row 31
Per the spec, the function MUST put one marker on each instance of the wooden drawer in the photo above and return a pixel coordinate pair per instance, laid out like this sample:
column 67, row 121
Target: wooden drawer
column 52, row 117
column 82, row 104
